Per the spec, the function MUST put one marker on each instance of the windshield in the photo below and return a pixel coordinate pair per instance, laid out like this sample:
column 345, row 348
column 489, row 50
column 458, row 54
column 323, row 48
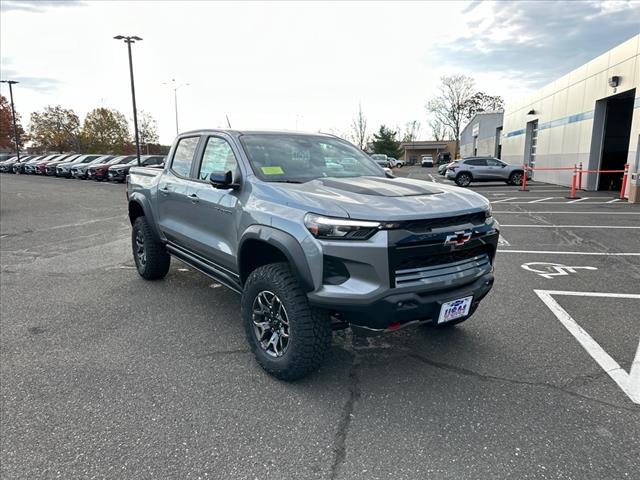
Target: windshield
column 103, row 159
column 300, row 158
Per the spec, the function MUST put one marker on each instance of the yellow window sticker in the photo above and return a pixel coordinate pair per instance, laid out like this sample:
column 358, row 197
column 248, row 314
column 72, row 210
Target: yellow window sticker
column 272, row 170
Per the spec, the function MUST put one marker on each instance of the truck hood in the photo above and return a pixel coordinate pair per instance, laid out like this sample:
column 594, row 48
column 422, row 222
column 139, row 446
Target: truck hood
column 379, row 198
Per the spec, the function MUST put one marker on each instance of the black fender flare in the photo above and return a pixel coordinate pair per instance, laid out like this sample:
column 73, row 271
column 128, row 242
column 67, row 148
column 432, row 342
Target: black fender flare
column 287, row 244
column 142, row 201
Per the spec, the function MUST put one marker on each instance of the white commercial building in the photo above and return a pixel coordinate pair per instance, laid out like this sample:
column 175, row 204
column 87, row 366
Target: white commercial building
column 482, row 136
column 591, row 115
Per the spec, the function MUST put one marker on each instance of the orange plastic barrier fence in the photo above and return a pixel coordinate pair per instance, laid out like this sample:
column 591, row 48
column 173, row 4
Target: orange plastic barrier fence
column 576, row 178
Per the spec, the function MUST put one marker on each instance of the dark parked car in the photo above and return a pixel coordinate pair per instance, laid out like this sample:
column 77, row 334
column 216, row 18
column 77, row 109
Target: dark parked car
column 63, row 169
column 18, row 167
column 41, row 166
column 79, row 170
column 118, row 173
column 30, row 166
column 442, row 169
column 99, row 171
column 50, row 167
column 7, row 164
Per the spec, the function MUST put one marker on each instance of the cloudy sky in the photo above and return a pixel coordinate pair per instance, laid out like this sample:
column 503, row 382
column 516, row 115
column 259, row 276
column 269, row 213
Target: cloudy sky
column 294, row 65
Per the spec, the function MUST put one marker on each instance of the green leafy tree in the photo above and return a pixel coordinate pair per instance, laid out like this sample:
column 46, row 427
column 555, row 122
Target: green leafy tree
column 105, row 131
column 55, row 129
column 386, row 141
column 147, row 131
column 482, row 102
column 7, row 141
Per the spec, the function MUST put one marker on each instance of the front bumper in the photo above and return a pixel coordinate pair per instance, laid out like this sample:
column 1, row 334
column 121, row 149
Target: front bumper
column 117, row 175
column 400, row 276
column 399, row 307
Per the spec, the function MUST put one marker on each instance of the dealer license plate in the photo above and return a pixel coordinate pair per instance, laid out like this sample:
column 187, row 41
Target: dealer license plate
column 455, row 309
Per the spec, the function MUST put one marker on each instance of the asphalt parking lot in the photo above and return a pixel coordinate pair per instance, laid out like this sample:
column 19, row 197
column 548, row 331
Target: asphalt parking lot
column 104, row 375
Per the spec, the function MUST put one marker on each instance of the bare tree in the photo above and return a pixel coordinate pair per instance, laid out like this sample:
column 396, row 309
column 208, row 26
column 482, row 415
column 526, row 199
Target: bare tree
column 438, row 130
column 449, row 107
column 359, row 129
column 411, row 131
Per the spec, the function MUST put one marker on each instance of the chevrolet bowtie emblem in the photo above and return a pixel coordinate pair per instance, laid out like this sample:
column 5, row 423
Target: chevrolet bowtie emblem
column 458, row 238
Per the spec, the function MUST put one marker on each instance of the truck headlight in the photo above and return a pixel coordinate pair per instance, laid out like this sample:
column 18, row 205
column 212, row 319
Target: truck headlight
column 488, row 214
column 330, row 228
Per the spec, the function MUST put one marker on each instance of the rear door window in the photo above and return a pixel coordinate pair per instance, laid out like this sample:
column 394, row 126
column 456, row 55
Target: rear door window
column 476, row 162
column 153, row 161
column 183, row 156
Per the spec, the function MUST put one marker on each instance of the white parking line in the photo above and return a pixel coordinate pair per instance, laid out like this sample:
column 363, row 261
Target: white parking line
column 505, row 200
column 579, row 200
column 542, row 200
column 626, row 227
column 552, row 252
column 502, row 242
column 628, row 382
column 560, row 203
column 614, row 200
column 531, row 190
column 568, row 212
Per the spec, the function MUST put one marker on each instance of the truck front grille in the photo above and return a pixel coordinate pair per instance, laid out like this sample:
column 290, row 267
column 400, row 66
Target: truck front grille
column 435, row 272
column 421, row 226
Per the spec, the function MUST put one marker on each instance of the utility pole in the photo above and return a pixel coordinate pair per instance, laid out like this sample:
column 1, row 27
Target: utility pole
column 16, row 138
column 175, row 88
column 129, row 40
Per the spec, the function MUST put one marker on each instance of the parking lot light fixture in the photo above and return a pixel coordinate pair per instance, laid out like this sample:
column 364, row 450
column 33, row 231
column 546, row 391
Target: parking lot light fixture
column 175, row 88
column 16, row 138
column 129, row 40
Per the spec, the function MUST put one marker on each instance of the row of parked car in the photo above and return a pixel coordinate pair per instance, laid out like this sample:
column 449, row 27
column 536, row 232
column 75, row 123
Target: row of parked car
column 83, row 166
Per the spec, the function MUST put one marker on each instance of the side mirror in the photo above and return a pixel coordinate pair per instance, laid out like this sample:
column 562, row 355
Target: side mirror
column 221, row 179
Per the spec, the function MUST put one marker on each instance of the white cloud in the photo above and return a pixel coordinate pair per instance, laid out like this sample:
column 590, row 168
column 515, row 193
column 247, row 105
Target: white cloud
column 265, row 65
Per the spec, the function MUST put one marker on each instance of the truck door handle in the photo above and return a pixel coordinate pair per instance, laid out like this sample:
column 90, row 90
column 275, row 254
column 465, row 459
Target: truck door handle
column 164, row 190
column 194, row 198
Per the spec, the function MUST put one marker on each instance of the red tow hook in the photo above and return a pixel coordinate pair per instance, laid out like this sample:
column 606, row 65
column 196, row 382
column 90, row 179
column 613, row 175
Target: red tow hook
column 393, row 326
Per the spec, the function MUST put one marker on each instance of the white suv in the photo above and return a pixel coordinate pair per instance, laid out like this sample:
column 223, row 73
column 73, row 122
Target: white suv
column 426, row 161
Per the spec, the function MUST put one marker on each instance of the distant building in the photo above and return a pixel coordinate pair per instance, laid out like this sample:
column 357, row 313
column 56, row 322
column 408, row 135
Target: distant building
column 589, row 116
column 414, row 150
column 482, row 136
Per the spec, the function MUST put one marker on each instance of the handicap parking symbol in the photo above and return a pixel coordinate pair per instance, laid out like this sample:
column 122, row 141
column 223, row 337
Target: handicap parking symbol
column 550, row 270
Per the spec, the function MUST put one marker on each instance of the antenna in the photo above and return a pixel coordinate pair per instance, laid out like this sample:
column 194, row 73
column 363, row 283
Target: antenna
column 228, row 122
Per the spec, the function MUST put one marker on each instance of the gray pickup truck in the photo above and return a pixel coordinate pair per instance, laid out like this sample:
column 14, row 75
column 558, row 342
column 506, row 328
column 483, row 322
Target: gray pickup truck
column 315, row 237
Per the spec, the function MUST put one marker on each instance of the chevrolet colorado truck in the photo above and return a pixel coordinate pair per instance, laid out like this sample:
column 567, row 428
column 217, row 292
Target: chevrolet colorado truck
column 314, row 236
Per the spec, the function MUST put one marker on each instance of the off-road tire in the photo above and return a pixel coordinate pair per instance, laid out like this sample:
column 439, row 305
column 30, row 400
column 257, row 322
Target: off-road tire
column 464, row 179
column 309, row 328
column 516, row 178
column 157, row 260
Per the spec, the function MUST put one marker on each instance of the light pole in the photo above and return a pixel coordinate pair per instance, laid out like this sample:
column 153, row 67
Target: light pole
column 175, row 87
column 16, row 138
column 129, row 40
